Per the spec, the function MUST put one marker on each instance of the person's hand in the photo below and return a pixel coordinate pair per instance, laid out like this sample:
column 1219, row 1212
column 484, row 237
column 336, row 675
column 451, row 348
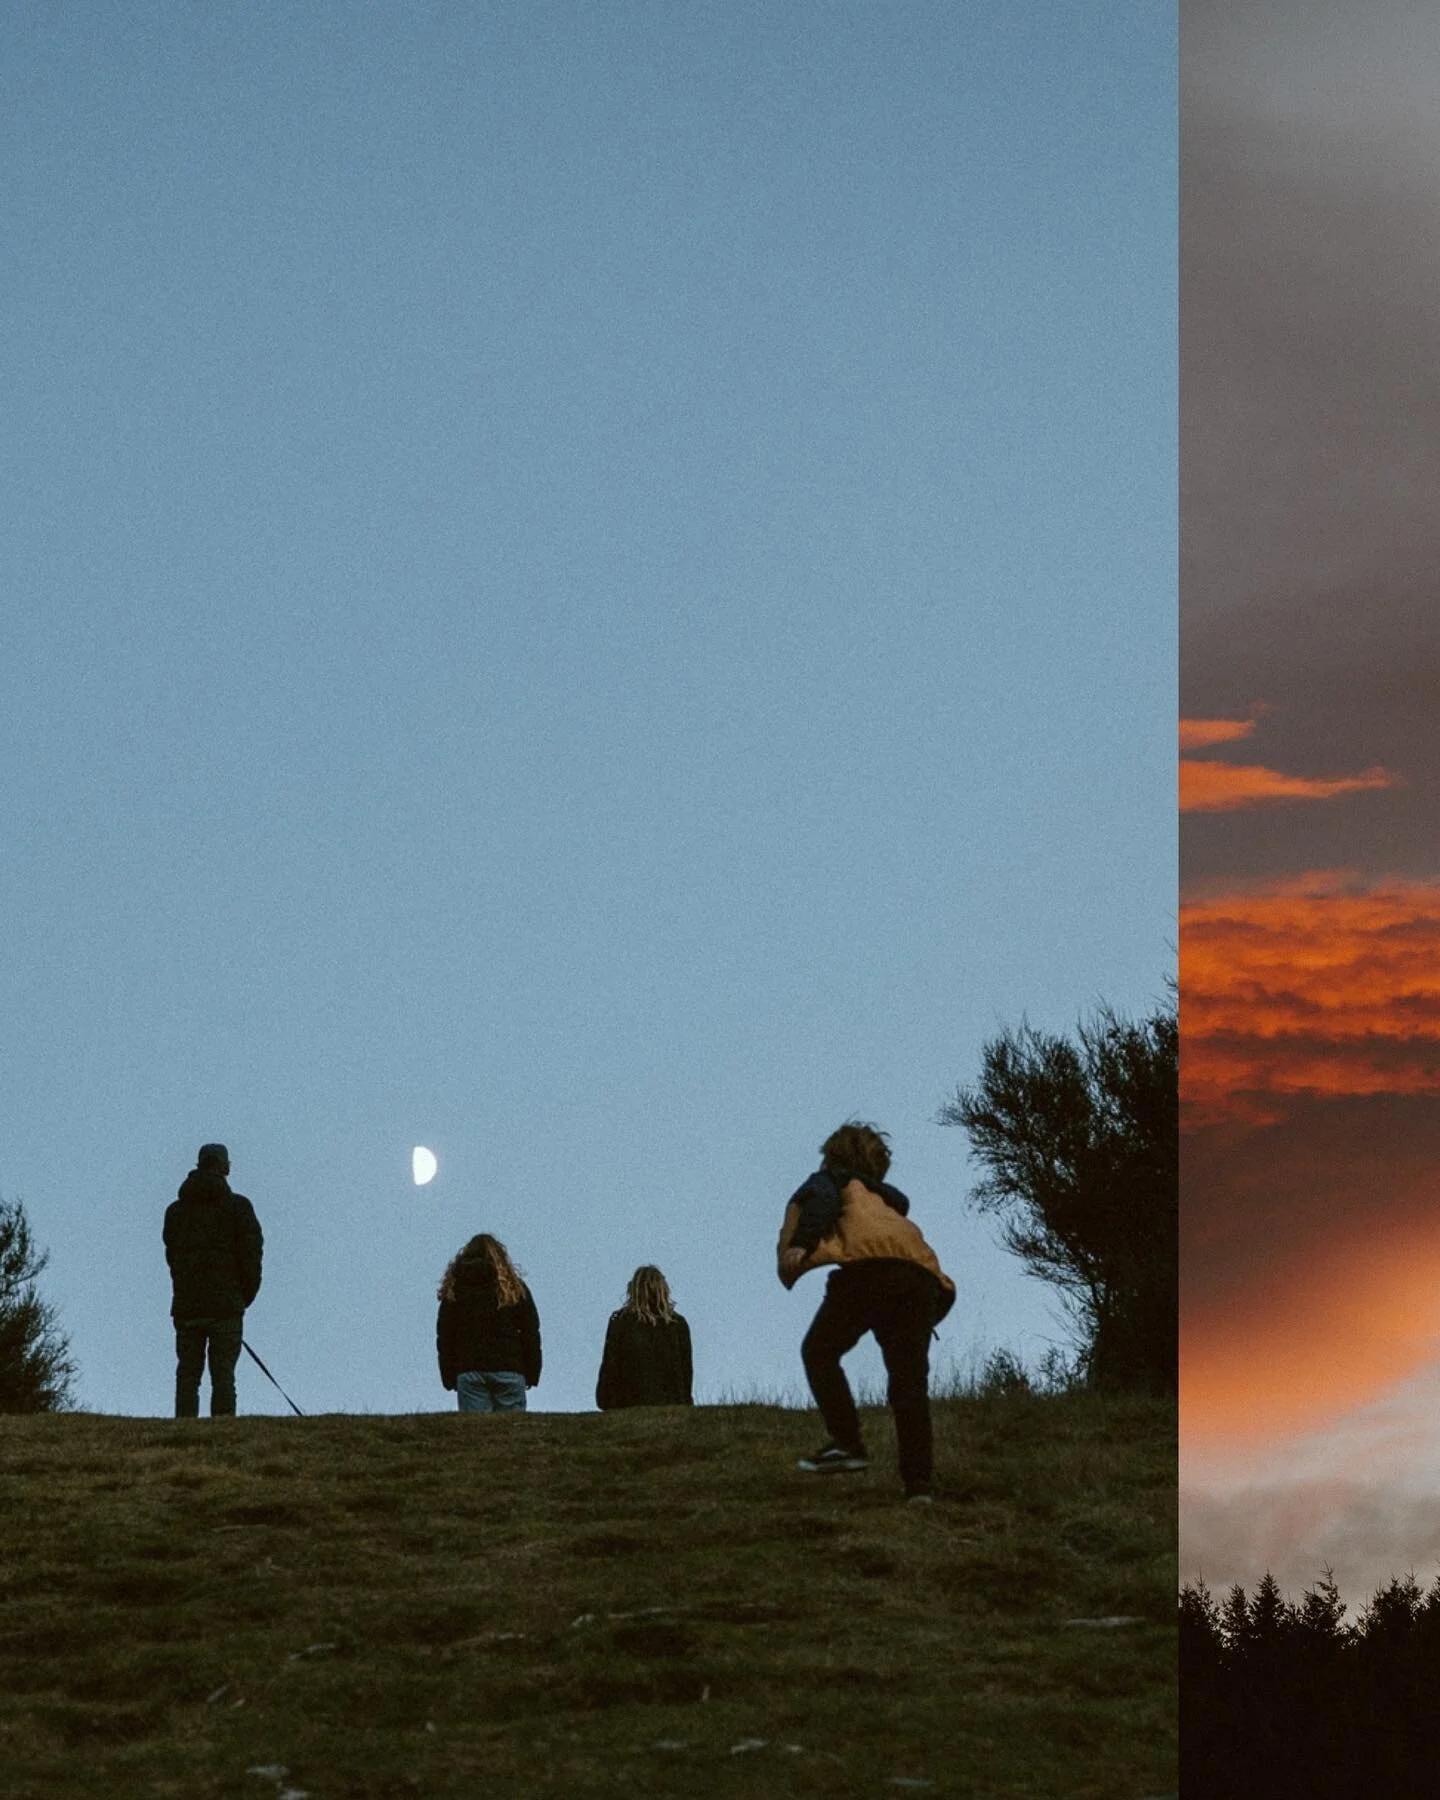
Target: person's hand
column 792, row 1266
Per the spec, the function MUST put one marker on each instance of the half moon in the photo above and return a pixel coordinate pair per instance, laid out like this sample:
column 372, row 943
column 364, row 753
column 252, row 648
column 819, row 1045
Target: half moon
column 423, row 1165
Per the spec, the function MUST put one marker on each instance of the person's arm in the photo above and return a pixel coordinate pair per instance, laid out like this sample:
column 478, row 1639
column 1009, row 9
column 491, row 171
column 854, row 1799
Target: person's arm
column 530, row 1325
column 444, row 1350
column 687, row 1362
column 812, row 1213
column 820, row 1204
column 606, row 1380
column 249, row 1249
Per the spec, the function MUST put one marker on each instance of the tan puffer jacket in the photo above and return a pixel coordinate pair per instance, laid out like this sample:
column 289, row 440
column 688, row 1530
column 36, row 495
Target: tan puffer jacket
column 868, row 1230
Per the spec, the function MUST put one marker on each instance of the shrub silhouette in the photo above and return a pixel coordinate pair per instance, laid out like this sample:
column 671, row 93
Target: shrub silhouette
column 1080, row 1143
column 35, row 1367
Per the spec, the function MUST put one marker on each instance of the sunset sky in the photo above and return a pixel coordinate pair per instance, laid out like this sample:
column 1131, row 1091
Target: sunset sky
column 1310, row 786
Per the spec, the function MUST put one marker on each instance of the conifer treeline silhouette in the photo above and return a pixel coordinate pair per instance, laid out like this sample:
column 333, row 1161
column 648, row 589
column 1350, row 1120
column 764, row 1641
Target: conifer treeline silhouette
column 1281, row 1698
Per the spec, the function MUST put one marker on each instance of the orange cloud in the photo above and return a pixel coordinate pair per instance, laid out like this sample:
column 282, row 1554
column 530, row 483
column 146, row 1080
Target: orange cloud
column 1313, row 987
column 1226, row 787
column 1201, row 734
column 1310, row 1168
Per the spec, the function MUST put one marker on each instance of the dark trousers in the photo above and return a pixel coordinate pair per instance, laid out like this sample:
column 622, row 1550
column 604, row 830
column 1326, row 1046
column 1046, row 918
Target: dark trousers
column 194, row 1338
column 897, row 1301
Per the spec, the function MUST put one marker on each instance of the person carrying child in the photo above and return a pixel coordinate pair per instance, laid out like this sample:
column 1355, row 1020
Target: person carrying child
column 647, row 1359
column 487, row 1333
column 886, row 1280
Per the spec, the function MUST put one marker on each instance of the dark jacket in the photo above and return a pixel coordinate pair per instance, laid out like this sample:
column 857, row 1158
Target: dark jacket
column 474, row 1332
column 644, row 1364
column 837, row 1217
column 213, row 1245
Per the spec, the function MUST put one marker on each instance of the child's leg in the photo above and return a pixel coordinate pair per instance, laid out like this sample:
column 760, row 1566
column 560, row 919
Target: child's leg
column 903, row 1334
column 838, row 1326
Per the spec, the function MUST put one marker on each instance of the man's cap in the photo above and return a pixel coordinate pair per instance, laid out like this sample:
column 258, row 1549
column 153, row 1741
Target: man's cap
column 212, row 1155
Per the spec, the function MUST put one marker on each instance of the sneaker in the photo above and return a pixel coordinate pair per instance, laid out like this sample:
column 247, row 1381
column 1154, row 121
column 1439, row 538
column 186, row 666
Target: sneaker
column 832, row 1460
column 920, row 1497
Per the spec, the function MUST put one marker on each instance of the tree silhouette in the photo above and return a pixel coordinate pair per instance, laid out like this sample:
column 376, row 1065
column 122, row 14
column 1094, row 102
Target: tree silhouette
column 1079, row 1140
column 1318, row 1618
column 1279, row 1698
column 35, row 1366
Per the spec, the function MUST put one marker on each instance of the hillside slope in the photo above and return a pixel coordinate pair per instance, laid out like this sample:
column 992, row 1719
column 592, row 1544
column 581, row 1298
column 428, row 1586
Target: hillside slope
column 571, row 1605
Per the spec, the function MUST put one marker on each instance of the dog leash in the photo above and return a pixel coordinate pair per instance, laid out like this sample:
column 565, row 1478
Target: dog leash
column 271, row 1379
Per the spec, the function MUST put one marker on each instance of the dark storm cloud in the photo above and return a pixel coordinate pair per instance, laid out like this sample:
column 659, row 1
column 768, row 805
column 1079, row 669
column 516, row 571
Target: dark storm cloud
column 1310, row 407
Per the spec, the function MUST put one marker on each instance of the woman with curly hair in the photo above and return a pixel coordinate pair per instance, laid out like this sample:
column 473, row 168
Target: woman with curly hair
column 647, row 1349
column 886, row 1279
column 487, row 1334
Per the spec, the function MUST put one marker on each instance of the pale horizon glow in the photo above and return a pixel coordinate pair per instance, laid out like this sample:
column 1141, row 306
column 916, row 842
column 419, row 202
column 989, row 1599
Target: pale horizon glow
column 1355, row 1494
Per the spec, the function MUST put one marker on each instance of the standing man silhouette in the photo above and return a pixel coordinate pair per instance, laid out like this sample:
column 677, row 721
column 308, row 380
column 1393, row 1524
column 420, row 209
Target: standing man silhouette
column 213, row 1245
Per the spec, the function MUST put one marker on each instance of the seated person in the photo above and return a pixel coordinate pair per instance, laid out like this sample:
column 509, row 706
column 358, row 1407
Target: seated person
column 647, row 1349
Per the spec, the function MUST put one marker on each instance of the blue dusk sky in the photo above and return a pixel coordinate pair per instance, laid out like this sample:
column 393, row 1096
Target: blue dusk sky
column 587, row 585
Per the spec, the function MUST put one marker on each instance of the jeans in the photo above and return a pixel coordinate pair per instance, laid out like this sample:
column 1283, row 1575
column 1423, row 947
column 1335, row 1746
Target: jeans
column 897, row 1301
column 193, row 1338
column 490, row 1390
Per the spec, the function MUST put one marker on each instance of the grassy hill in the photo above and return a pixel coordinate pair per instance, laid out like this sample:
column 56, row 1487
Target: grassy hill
column 648, row 1603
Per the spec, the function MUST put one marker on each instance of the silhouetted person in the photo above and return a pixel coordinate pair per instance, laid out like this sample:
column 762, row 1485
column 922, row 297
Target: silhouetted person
column 647, row 1358
column 487, row 1332
column 213, row 1246
column 887, row 1280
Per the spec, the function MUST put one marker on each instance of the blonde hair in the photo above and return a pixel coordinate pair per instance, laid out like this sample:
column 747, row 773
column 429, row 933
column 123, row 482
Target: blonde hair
column 857, row 1149
column 509, row 1288
column 648, row 1296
